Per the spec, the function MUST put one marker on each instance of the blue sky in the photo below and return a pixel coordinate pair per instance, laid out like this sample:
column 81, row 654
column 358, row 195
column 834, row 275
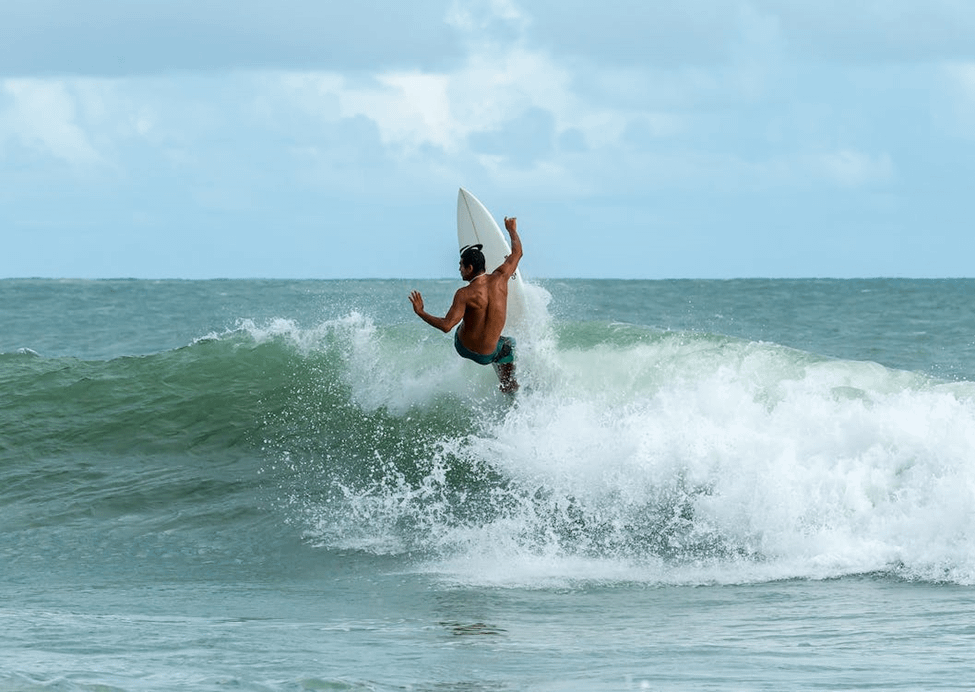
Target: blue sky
column 632, row 139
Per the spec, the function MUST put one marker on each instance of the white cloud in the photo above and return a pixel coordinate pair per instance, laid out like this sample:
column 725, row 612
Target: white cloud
column 652, row 110
column 472, row 16
column 410, row 108
column 876, row 30
column 112, row 38
column 958, row 110
column 42, row 115
column 442, row 109
column 143, row 124
column 964, row 76
column 852, row 168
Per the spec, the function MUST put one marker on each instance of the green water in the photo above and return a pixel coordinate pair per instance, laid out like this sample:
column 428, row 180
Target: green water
column 277, row 485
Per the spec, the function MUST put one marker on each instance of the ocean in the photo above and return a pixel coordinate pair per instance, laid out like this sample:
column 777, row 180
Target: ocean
column 298, row 485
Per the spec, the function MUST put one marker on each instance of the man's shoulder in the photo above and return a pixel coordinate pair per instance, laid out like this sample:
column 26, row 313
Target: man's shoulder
column 465, row 292
column 500, row 275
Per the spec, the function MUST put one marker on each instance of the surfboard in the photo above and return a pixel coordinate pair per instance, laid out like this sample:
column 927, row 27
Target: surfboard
column 476, row 225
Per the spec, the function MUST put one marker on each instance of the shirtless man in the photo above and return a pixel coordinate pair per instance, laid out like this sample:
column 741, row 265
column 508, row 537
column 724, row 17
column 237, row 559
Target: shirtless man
column 481, row 308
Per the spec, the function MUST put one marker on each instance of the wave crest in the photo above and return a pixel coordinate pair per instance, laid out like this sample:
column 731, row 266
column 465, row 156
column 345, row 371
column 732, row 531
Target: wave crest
column 662, row 456
column 630, row 454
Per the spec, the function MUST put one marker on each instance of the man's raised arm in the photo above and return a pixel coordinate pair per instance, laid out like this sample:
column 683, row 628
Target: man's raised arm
column 510, row 263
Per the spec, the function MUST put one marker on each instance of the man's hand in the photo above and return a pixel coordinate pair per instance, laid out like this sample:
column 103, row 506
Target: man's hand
column 417, row 301
column 511, row 224
column 445, row 323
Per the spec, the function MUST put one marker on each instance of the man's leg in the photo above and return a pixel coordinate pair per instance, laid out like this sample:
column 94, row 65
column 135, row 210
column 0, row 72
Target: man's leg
column 506, row 375
column 505, row 366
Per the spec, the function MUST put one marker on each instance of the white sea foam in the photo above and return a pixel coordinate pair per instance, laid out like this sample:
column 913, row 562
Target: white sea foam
column 836, row 468
column 667, row 457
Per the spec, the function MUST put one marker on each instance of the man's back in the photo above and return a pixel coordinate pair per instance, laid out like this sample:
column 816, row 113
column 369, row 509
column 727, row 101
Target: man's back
column 481, row 308
column 485, row 310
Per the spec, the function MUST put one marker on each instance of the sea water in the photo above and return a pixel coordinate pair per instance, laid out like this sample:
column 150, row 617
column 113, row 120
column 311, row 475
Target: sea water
column 297, row 485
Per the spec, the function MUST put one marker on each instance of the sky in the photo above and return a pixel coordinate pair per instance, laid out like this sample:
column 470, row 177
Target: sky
column 633, row 139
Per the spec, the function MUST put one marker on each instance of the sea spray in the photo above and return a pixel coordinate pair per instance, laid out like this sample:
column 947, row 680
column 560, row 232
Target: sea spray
column 649, row 455
column 631, row 453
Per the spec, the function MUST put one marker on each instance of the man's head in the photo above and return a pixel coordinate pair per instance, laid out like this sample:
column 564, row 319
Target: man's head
column 471, row 261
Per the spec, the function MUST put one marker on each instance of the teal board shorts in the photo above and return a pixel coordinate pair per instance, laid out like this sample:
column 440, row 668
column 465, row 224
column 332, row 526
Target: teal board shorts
column 503, row 354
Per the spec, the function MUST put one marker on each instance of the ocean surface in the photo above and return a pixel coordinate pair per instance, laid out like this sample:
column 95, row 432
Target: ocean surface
column 297, row 485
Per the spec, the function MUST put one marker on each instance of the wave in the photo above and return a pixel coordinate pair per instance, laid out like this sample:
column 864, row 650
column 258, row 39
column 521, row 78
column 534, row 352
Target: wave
column 654, row 456
column 630, row 454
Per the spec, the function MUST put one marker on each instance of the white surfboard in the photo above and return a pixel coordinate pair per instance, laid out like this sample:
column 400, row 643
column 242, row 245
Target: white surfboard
column 476, row 225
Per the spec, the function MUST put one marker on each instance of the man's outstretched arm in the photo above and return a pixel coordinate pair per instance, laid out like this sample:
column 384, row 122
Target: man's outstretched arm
column 454, row 315
column 510, row 264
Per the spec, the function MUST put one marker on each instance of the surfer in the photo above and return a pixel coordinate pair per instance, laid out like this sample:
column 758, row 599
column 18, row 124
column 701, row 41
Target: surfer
column 481, row 308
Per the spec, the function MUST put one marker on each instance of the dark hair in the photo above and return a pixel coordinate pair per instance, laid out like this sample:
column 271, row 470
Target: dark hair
column 472, row 256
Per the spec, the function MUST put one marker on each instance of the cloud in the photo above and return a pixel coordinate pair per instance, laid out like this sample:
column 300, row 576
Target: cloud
column 41, row 115
column 963, row 76
column 853, row 168
column 524, row 140
column 956, row 107
column 299, row 117
column 876, row 30
column 635, row 32
column 486, row 17
column 704, row 33
column 411, row 109
column 510, row 106
column 117, row 38
column 444, row 109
